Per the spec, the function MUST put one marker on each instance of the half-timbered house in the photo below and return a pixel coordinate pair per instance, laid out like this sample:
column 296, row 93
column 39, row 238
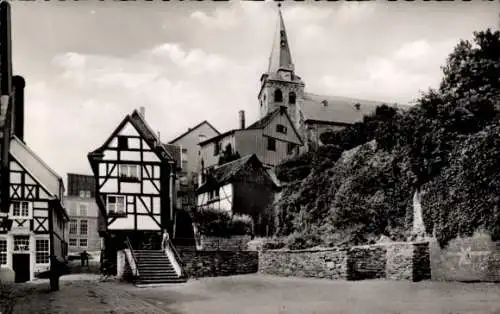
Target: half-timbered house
column 37, row 218
column 135, row 187
column 243, row 186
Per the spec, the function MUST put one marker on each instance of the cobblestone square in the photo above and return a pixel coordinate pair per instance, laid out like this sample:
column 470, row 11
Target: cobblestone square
column 258, row 294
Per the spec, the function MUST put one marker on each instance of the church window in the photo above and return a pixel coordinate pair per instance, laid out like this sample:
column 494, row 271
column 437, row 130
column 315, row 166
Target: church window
column 271, row 144
column 280, row 128
column 357, row 106
column 278, row 95
column 292, row 98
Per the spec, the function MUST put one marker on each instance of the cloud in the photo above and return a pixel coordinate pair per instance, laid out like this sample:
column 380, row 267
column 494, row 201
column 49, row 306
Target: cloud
column 221, row 18
column 304, row 15
column 350, row 12
column 413, row 67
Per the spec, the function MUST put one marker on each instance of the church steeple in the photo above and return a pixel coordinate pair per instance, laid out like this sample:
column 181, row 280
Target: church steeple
column 281, row 57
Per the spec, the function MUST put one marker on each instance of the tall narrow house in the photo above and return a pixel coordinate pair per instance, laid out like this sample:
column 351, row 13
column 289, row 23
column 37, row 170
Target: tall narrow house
column 135, row 187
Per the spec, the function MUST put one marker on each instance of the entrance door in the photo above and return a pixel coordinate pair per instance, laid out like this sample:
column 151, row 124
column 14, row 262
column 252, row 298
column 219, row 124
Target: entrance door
column 21, row 263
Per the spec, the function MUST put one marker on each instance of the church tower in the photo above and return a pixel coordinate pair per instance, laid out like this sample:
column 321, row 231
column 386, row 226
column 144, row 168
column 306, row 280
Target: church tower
column 279, row 85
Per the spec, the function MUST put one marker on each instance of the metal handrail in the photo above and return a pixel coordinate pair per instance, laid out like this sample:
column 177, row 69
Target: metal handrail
column 129, row 246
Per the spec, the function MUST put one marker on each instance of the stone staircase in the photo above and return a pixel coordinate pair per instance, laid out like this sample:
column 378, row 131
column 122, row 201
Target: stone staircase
column 155, row 268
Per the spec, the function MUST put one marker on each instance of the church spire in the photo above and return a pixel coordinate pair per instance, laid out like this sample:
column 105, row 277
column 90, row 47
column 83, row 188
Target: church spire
column 280, row 58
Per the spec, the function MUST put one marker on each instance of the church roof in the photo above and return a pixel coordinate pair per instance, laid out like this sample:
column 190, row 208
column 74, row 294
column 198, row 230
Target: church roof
column 337, row 109
column 281, row 57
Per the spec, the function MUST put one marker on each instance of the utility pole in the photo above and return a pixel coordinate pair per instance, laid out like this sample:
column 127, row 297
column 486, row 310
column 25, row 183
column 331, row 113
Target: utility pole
column 5, row 105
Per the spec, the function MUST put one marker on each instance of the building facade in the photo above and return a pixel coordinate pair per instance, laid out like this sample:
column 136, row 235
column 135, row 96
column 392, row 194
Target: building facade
column 188, row 142
column 37, row 220
column 272, row 138
column 135, row 186
column 242, row 186
column 82, row 231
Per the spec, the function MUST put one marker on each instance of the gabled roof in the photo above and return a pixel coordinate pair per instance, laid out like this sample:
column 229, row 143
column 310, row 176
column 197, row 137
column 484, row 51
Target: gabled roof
column 262, row 123
column 192, row 129
column 175, row 152
column 217, row 137
column 338, row 109
column 144, row 130
column 223, row 174
column 44, row 175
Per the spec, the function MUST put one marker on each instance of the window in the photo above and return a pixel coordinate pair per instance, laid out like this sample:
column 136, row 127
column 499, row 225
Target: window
column 72, row 242
column 21, row 243
column 72, row 210
column 20, row 209
column 214, row 194
column 87, row 194
column 84, row 193
column 3, row 252
column 122, row 142
column 83, row 209
column 291, row 148
column 278, row 95
column 116, row 204
column 42, row 251
column 217, row 148
column 280, row 128
column 83, row 243
column 73, row 225
column 128, row 171
column 271, row 144
column 292, row 98
column 84, row 226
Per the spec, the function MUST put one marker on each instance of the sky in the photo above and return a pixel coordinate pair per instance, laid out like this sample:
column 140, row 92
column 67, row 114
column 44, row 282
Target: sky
column 87, row 64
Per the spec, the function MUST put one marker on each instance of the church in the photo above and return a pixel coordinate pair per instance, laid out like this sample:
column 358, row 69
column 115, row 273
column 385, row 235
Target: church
column 310, row 113
column 291, row 120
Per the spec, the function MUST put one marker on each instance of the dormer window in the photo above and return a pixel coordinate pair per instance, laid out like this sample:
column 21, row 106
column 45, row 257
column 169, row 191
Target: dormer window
column 278, row 95
column 324, row 103
column 280, row 128
column 357, row 106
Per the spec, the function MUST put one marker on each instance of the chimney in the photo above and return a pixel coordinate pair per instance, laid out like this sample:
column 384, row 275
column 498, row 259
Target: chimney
column 18, row 83
column 242, row 119
column 142, row 112
column 5, row 49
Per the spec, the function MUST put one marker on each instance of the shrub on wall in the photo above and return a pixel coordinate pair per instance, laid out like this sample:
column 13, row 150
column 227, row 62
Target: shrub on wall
column 217, row 223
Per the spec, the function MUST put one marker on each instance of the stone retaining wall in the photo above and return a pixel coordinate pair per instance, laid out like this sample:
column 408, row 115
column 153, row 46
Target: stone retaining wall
column 397, row 261
column 474, row 258
column 233, row 243
column 324, row 263
column 218, row 263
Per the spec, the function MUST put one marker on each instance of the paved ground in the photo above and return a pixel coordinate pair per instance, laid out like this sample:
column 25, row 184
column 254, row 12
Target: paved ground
column 258, row 294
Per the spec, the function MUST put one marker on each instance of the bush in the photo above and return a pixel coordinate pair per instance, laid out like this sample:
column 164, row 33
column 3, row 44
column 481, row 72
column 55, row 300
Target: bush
column 273, row 244
column 241, row 225
column 218, row 223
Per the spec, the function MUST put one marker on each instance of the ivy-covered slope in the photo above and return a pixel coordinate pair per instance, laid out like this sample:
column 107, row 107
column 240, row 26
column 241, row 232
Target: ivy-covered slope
column 446, row 146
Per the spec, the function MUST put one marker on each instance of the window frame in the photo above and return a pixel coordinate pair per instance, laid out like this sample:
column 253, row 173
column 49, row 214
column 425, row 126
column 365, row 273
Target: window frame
column 21, row 209
column 128, row 174
column 3, row 253
column 25, row 250
column 277, row 92
column 86, row 207
column 280, row 128
column 45, row 253
column 115, row 211
column 80, row 243
column 70, row 224
column 86, row 224
column 122, row 142
column 74, row 239
column 292, row 96
column 271, row 147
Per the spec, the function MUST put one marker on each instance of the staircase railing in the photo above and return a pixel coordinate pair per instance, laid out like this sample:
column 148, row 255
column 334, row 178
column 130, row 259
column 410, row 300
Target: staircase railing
column 134, row 269
column 169, row 245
